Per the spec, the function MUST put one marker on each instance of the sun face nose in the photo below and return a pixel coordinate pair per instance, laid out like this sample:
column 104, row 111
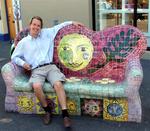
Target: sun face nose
column 75, row 60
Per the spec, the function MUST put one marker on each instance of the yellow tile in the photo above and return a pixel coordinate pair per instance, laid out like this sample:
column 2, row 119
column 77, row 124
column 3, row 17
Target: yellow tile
column 115, row 109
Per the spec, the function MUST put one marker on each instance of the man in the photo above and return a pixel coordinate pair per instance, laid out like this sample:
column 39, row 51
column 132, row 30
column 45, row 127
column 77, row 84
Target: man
column 35, row 53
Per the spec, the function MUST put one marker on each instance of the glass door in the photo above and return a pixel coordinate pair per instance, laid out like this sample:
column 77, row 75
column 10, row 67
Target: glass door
column 109, row 13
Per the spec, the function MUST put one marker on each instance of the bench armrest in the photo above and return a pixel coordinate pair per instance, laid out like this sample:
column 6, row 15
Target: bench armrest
column 134, row 69
column 134, row 77
column 9, row 72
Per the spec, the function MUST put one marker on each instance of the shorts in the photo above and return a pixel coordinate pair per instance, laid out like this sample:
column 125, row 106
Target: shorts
column 49, row 72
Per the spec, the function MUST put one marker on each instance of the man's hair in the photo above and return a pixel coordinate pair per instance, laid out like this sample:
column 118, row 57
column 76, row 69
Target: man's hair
column 38, row 18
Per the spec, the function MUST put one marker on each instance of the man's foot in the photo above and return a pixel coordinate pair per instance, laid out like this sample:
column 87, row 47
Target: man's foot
column 67, row 122
column 47, row 118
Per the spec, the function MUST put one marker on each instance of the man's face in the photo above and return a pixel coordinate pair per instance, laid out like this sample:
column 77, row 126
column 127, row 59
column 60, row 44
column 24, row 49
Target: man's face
column 35, row 27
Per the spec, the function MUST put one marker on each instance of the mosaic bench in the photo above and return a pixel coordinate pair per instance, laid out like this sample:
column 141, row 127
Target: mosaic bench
column 103, row 74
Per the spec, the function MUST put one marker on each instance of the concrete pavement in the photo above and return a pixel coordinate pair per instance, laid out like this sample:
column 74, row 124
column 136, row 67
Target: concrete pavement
column 20, row 122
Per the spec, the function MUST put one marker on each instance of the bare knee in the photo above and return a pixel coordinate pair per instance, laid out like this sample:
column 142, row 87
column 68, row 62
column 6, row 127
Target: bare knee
column 36, row 86
column 58, row 85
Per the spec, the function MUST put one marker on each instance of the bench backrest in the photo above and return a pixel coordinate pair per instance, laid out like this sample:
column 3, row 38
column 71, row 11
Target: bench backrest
column 84, row 53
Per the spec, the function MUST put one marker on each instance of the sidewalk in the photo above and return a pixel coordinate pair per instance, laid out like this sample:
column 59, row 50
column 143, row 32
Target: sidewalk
column 20, row 122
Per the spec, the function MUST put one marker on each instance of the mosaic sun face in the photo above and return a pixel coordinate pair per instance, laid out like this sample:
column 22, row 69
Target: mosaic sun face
column 75, row 51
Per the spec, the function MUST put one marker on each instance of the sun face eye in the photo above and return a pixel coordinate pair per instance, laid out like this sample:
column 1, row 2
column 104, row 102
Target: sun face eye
column 65, row 48
column 83, row 49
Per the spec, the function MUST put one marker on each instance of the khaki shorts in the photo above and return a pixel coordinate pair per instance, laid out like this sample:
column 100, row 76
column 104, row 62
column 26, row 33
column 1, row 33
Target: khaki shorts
column 49, row 72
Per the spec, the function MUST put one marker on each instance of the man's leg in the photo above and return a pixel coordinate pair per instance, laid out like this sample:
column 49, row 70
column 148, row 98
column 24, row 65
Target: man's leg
column 61, row 94
column 55, row 77
column 58, row 86
column 41, row 97
column 39, row 94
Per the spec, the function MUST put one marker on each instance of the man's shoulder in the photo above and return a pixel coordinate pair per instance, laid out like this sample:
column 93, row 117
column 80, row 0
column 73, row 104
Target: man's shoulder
column 25, row 39
column 46, row 31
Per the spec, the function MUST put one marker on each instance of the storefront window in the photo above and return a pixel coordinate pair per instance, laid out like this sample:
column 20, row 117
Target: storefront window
column 115, row 12
column 123, row 12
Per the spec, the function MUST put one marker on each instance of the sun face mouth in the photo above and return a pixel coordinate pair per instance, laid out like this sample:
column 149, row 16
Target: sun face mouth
column 75, row 65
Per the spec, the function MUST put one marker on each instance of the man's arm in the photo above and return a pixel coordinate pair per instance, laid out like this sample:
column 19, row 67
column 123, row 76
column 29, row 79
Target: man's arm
column 17, row 56
column 59, row 26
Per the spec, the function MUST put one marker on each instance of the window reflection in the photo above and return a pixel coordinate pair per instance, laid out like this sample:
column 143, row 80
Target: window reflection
column 110, row 19
column 116, row 4
column 129, row 19
column 129, row 4
column 142, row 22
column 143, row 4
column 110, row 4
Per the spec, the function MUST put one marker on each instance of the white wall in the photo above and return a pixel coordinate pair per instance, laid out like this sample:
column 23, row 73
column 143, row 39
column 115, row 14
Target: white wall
column 3, row 21
column 56, row 10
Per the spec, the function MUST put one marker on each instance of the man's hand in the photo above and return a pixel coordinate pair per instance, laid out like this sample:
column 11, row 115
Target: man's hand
column 27, row 66
column 77, row 23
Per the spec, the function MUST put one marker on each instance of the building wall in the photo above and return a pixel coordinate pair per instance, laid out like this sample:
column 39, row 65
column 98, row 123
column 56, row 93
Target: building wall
column 57, row 11
column 3, row 22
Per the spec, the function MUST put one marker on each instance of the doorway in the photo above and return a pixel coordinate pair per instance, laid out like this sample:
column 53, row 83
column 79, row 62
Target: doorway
column 10, row 18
